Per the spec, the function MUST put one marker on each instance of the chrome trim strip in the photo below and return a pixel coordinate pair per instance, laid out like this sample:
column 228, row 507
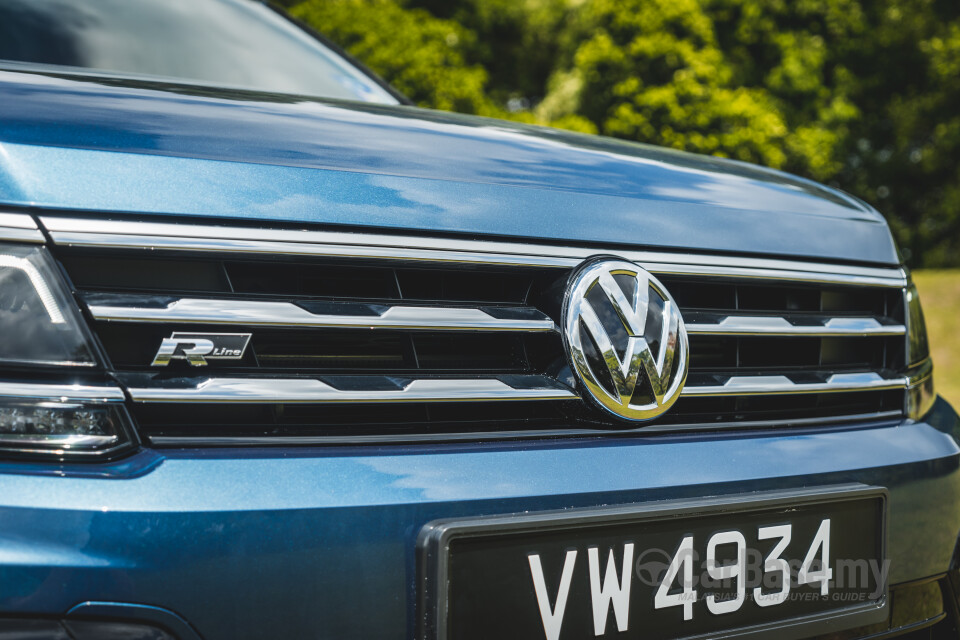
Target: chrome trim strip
column 305, row 390
column 826, row 276
column 18, row 220
column 170, row 236
column 63, row 440
column 782, row 385
column 774, row 326
column 20, row 227
column 268, row 313
column 914, row 382
column 60, row 392
column 228, row 245
column 33, row 236
column 920, row 373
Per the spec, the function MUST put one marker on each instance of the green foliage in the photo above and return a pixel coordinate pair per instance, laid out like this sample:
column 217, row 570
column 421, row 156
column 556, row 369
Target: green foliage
column 794, row 51
column 432, row 60
column 419, row 54
column 653, row 70
column 517, row 40
column 862, row 94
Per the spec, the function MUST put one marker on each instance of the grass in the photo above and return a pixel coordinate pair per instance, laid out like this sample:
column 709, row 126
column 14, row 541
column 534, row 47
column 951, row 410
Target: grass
column 940, row 297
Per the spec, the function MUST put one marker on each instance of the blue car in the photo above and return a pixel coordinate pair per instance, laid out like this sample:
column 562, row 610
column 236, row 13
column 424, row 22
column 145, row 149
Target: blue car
column 284, row 356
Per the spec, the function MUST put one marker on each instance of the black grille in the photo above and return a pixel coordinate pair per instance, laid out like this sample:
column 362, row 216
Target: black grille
column 796, row 355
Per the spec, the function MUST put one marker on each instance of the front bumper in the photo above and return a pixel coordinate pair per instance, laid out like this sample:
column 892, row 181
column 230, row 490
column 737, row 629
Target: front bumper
column 321, row 542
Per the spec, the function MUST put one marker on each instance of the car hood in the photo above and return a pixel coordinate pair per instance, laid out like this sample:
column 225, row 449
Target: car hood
column 130, row 146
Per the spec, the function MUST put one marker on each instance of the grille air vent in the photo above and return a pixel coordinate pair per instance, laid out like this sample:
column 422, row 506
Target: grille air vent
column 372, row 336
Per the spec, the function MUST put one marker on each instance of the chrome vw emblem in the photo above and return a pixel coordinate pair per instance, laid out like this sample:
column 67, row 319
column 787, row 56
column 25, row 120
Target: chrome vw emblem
column 625, row 338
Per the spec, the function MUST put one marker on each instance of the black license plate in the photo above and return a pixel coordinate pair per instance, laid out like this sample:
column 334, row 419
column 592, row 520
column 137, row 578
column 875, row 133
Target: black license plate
column 802, row 563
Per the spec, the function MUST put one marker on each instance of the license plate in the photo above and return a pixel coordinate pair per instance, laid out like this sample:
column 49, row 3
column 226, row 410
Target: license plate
column 801, row 563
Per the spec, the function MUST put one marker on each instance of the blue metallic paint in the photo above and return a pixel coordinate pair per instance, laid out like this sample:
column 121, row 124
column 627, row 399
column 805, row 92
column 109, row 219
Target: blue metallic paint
column 112, row 145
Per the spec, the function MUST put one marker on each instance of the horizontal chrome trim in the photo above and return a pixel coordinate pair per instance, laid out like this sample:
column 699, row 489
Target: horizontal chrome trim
column 269, row 313
column 12, row 234
column 50, row 363
column 920, row 373
column 19, row 227
column 227, row 245
column 17, row 220
column 305, row 390
column 62, row 440
column 60, row 392
column 773, row 326
column 915, row 381
column 168, row 236
column 782, row 385
column 300, row 390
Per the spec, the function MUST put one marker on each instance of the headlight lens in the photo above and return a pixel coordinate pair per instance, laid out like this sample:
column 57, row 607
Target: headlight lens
column 59, row 425
column 920, row 392
column 39, row 323
column 44, row 407
column 918, row 349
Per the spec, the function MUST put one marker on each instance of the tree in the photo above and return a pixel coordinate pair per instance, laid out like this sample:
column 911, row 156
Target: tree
column 419, row 54
column 902, row 155
column 652, row 70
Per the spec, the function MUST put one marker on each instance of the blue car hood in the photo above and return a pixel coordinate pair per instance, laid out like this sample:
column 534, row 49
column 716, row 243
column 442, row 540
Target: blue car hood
column 127, row 146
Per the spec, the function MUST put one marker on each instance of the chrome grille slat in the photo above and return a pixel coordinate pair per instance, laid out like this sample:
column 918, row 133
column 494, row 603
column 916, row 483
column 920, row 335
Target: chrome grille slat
column 377, row 389
column 19, row 227
column 60, row 392
column 81, row 232
column 288, row 314
column 256, row 247
column 783, row 385
column 17, row 220
column 734, row 325
column 292, row 390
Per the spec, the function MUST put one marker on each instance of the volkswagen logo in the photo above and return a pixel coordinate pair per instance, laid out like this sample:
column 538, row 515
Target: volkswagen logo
column 625, row 339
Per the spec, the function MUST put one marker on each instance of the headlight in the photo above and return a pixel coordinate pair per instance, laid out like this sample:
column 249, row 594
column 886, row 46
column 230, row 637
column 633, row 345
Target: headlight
column 47, row 405
column 60, row 426
column 918, row 348
column 39, row 323
column 920, row 392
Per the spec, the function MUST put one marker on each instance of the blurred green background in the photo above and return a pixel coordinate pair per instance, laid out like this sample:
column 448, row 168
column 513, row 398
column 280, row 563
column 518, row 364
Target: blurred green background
column 860, row 94
column 940, row 296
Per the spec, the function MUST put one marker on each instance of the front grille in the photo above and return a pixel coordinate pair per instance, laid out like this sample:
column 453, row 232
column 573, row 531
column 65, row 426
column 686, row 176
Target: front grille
column 363, row 336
